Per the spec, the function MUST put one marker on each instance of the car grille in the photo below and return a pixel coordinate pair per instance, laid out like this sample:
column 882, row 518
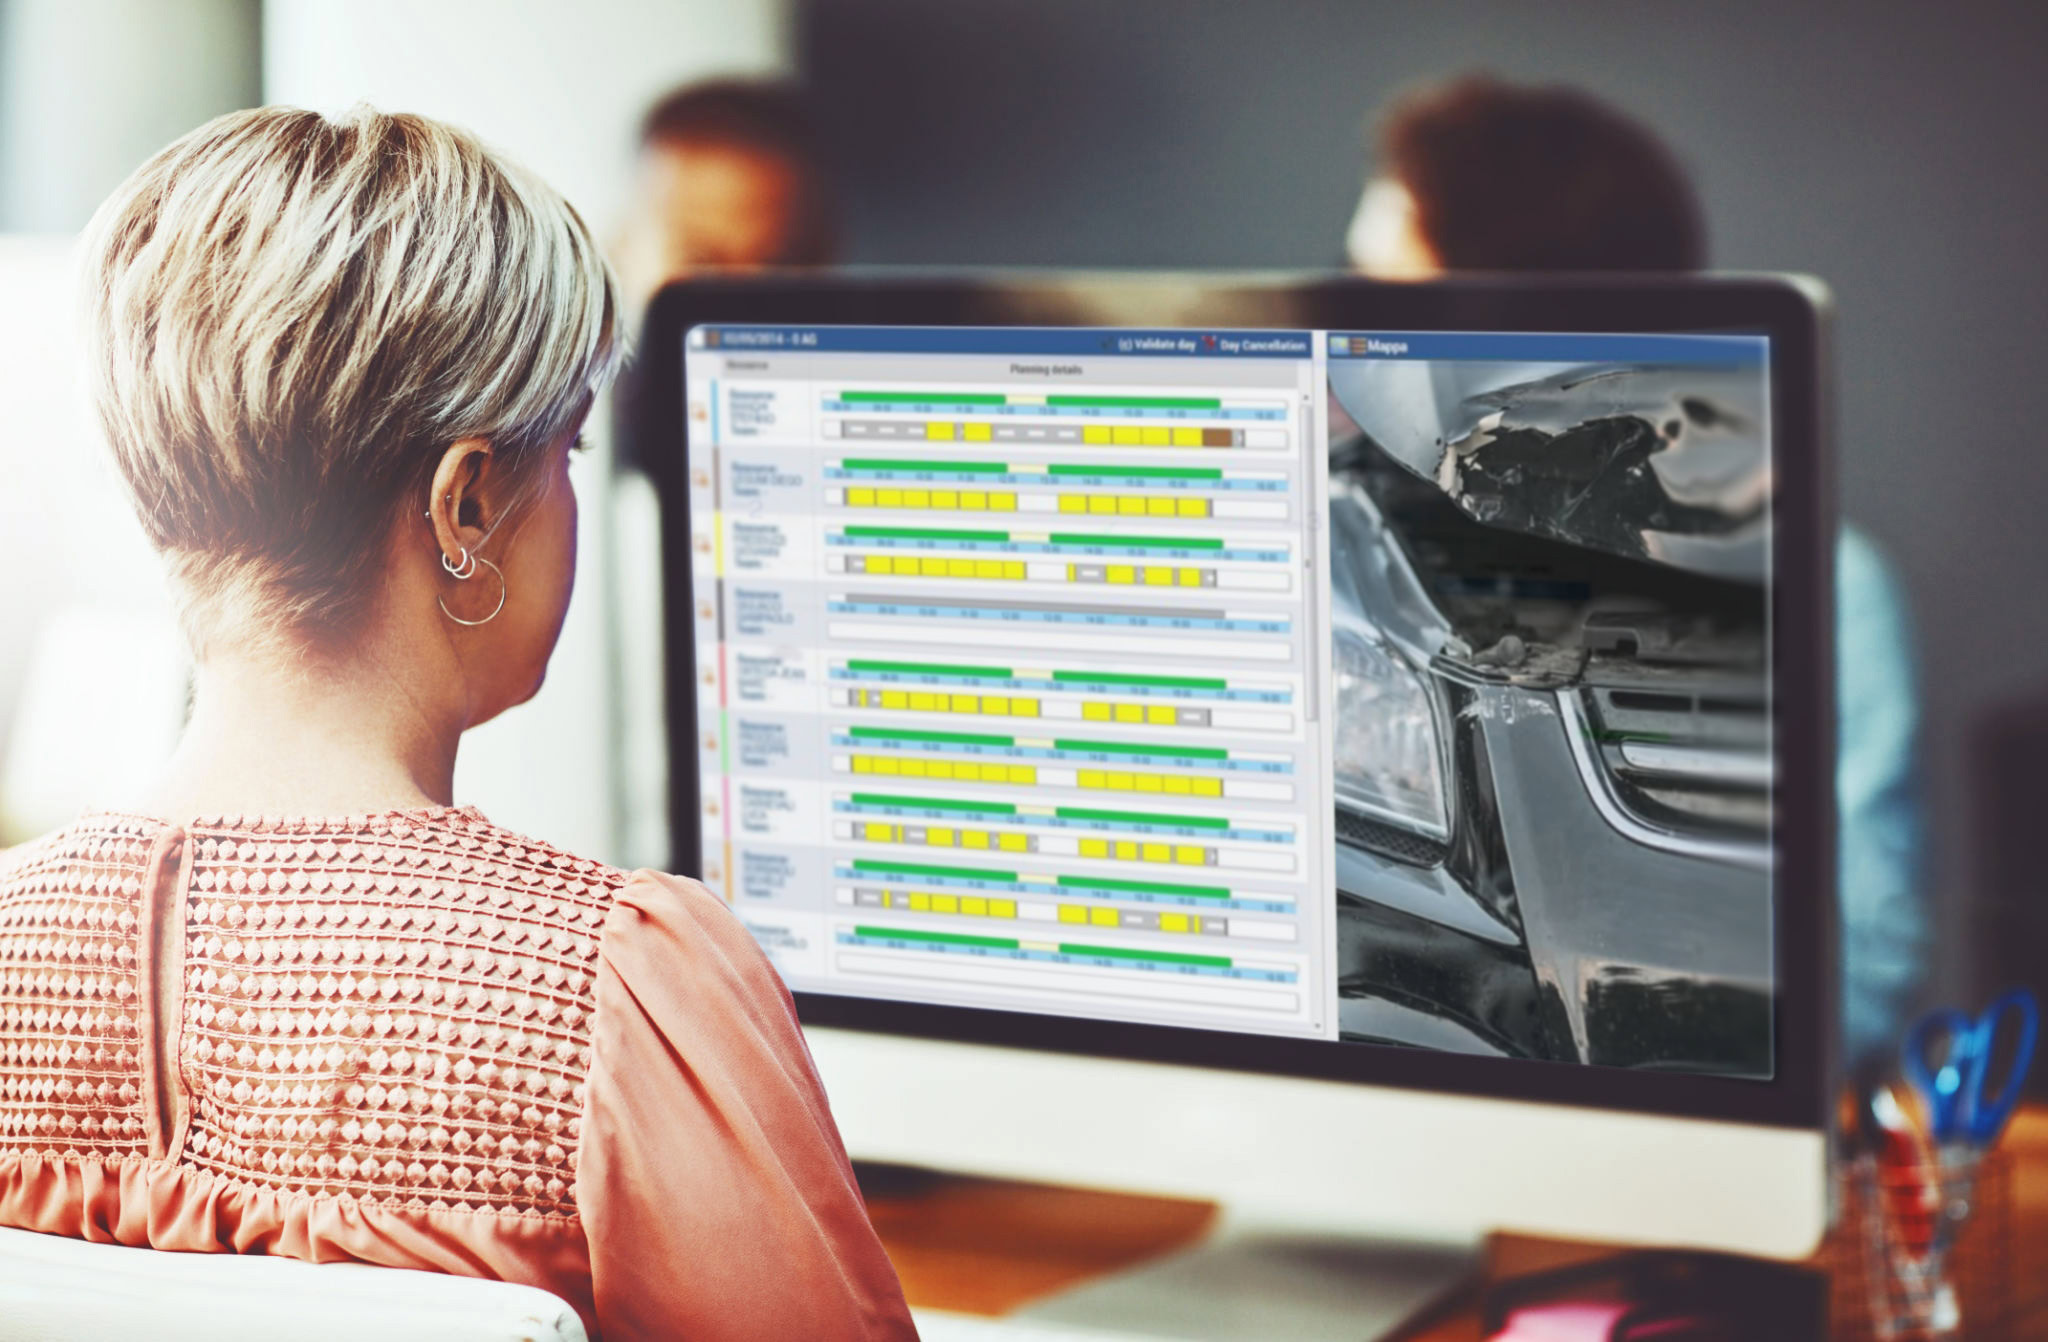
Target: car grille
column 1389, row 840
column 1691, row 758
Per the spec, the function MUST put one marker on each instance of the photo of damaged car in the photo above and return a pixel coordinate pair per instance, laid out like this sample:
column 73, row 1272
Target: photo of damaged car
column 1554, row 765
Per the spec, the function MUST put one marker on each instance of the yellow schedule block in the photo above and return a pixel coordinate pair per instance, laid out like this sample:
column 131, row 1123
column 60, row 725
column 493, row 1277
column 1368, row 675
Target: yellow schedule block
column 1128, row 435
column 1095, row 433
column 1103, row 917
column 878, row 833
column 1092, row 847
column 1013, row 843
column 1073, row 913
column 925, row 701
column 1187, row 437
column 979, row 433
column 860, row 498
column 939, row 431
column 1173, row 922
column 1158, row 436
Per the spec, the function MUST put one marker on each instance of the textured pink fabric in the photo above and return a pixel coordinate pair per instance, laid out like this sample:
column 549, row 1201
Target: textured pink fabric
column 419, row 1040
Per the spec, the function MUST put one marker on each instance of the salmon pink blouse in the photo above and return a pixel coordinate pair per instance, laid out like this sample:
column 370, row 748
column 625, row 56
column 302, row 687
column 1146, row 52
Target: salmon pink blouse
column 419, row 1040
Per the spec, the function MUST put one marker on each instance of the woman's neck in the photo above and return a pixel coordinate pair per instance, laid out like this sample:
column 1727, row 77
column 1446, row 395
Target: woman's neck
column 311, row 737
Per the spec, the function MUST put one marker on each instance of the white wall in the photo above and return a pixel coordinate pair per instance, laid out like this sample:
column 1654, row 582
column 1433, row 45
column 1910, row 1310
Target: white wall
column 560, row 87
column 90, row 88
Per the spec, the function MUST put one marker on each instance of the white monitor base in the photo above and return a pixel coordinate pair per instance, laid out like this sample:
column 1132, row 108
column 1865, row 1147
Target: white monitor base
column 1247, row 1281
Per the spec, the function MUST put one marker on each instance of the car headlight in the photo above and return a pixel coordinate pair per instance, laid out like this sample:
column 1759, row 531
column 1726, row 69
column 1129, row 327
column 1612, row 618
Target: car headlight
column 1387, row 763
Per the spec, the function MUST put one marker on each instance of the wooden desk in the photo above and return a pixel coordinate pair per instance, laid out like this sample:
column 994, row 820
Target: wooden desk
column 984, row 1246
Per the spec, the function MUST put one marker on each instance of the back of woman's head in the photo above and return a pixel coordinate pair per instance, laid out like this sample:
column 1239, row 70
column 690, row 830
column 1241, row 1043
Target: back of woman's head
column 1519, row 177
column 290, row 317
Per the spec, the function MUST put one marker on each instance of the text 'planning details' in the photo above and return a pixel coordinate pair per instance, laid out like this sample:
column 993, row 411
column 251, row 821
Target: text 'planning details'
column 1010, row 662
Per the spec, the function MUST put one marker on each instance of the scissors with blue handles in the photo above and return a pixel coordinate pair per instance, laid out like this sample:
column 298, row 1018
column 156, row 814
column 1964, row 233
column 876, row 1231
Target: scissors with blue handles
column 1948, row 1059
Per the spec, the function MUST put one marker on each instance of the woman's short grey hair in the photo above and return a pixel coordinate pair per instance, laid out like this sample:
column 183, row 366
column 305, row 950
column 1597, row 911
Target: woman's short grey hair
column 290, row 317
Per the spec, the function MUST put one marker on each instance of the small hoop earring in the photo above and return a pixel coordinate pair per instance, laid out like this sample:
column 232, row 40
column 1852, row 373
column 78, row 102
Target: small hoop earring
column 472, row 561
column 462, row 571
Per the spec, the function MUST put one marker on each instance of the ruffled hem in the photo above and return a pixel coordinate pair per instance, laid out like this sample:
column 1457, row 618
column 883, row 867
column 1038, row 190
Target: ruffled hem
column 155, row 1204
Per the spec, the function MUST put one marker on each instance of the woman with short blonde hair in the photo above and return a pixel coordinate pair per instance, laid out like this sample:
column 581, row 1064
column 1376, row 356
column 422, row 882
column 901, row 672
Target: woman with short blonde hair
column 298, row 1002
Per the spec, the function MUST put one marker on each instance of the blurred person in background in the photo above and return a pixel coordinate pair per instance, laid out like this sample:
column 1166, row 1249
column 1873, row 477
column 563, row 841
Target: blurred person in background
column 729, row 178
column 295, row 1000
column 1481, row 175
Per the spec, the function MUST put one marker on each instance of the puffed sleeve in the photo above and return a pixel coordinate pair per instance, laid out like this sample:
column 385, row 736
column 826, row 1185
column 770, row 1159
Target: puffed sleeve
column 715, row 1194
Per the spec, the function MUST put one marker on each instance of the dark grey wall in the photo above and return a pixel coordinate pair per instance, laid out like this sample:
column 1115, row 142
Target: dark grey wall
column 1896, row 150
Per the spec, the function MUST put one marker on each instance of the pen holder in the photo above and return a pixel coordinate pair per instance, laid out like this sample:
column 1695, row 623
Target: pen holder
column 1924, row 1250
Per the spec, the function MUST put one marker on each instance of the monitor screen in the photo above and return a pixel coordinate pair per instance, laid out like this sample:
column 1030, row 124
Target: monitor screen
column 1398, row 687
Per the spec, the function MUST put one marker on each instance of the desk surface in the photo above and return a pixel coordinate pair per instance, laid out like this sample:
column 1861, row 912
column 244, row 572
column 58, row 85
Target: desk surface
column 983, row 1246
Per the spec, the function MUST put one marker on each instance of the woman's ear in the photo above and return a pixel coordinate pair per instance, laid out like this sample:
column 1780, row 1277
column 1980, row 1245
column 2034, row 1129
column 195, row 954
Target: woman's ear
column 456, row 506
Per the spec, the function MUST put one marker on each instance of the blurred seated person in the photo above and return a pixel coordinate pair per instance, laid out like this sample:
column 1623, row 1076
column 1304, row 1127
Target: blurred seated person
column 1480, row 175
column 729, row 178
column 297, row 1001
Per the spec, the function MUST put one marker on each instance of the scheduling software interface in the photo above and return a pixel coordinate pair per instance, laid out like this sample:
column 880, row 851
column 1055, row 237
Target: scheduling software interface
column 1399, row 687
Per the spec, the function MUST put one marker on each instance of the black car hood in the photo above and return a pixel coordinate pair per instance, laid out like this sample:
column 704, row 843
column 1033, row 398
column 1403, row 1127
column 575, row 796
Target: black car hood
column 1668, row 464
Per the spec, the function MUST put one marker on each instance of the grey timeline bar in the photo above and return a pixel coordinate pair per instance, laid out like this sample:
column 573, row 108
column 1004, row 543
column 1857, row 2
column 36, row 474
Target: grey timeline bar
column 1047, row 607
column 1127, row 920
column 914, row 431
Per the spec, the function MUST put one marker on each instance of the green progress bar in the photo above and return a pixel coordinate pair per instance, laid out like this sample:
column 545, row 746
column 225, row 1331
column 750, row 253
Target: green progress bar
column 991, row 739
column 1070, row 677
column 1065, row 947
column 935, row 803
column 1004, row 468
column 946, row 938
column 1162, row 957
column 1135, row 542
column 1171, row 682
column 1139, row 472
column 940, row 738
column 1142, row 887
column 1140, row 402
column 1139, row 817
column 926, row 534
column 1127, row 748
column 957, row 467
column 927, row 869
column 934, row 669
column 924, row 397
column 988, row 398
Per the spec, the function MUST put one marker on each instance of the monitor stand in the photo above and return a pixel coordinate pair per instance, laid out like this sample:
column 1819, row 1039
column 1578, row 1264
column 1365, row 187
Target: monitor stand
column 983, row 1260
column 1251, row 1280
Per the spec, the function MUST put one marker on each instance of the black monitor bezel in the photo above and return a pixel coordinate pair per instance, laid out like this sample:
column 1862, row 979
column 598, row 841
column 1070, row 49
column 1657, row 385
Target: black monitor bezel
column 1783, row 310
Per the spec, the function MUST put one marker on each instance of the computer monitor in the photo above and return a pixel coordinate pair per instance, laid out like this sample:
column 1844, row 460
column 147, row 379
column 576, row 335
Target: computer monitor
column 1360, row 751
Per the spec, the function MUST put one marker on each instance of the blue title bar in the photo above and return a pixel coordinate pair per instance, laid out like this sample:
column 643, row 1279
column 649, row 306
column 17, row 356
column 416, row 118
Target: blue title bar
column 1074, row 340
column 1739, row 351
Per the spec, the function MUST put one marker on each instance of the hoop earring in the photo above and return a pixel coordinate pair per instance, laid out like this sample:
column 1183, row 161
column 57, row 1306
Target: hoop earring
column 471, row 561
column 465, row 569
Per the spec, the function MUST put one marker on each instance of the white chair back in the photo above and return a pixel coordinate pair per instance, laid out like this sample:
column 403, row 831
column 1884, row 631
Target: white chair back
column 54, row 1289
